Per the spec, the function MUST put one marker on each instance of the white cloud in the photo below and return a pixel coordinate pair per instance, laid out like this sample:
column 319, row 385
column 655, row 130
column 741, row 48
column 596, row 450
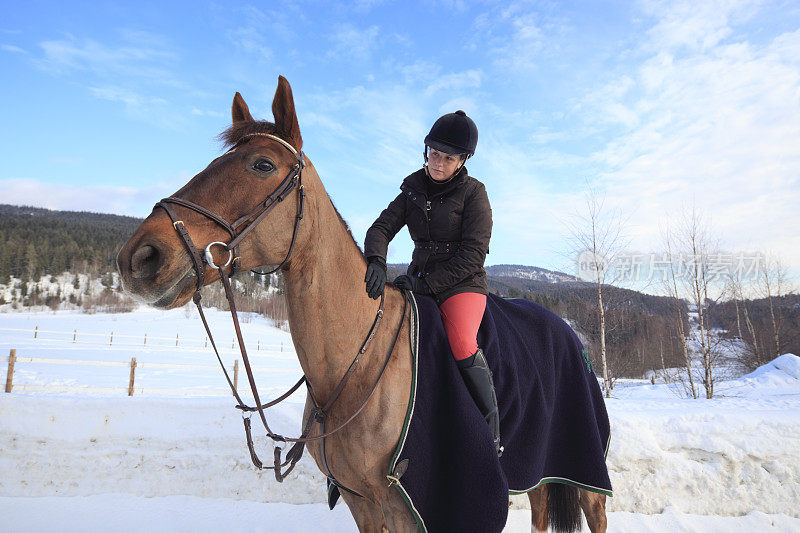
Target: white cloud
column 207, row 113
column 148, row 109
column 453, row 5
column 696, row 26
column 12, row 48
column 73, row 197
column 367, row 5
column 353, row 42
column 518, row 35
column 251, row 40
column 448, row 83
column 139, row 55
column 128, row 72
column 717, row 125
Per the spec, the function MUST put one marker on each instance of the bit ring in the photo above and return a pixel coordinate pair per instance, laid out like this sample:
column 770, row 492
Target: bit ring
column 210, row 257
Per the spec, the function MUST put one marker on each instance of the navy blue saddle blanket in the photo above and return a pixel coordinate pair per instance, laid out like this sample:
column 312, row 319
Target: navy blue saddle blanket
column 554, row 424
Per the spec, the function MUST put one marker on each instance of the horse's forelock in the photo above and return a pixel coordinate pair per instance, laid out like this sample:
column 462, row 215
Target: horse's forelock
column 239, row 130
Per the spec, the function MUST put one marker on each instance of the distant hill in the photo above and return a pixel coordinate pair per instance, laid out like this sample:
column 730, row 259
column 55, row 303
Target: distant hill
column 529, row 272
column 36, row 241
column 521, row 272
column 76, row 217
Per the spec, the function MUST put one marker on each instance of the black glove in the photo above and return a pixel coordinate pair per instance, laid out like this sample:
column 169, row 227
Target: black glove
column 376, row 276
column 417, row 285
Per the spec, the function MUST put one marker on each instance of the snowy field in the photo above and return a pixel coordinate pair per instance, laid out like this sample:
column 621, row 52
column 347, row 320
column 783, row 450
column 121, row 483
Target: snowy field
column 77, row 454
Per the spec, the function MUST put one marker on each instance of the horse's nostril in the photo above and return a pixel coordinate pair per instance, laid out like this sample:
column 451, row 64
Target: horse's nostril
column 145, row 262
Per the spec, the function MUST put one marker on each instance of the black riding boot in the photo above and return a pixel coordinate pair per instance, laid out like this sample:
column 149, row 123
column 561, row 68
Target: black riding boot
column 478, row 378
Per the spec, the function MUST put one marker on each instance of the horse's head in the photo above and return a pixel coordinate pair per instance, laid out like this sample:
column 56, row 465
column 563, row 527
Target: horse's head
column 156, row 265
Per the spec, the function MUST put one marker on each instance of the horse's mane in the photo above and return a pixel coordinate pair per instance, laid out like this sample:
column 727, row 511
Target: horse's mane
column 346, row 226
column 236, row 131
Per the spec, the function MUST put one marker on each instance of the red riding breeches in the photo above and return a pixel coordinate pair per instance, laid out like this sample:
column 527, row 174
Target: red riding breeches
column 462, row 314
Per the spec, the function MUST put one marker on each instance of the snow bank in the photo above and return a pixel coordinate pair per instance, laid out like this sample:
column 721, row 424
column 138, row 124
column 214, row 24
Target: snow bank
column 122, row 513
column 140, row 446
column 732, row 455
column 728, row 456
column 785, row 367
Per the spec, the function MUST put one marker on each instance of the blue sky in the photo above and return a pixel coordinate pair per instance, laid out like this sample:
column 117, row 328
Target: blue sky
column 657, row 105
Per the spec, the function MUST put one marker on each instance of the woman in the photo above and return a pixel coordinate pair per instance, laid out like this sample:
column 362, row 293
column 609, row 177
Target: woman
column 450, row 220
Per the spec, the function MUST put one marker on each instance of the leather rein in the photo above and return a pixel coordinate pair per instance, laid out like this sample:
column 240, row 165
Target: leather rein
column 319, row 414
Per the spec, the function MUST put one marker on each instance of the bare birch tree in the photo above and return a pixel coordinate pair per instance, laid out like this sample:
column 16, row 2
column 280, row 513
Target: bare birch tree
column 597, row 240
column 672, row 290
column 749, row 351
column 772, row 279
column 695, row 236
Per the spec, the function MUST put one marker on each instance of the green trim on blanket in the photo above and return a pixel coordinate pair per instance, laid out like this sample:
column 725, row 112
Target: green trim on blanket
column 586, row 360
column 414, row 341
column 564, row 481
column 331, row 488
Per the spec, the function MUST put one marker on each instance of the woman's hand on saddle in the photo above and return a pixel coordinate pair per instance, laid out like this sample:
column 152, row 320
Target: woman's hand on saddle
column 417, row 285
column 376, row 276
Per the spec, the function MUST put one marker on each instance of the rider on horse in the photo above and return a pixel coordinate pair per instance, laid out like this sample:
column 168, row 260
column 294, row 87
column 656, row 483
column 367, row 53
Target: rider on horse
column 450, row 220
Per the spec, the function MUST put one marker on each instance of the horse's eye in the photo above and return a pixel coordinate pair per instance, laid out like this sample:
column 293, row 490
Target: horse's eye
column 264, row 165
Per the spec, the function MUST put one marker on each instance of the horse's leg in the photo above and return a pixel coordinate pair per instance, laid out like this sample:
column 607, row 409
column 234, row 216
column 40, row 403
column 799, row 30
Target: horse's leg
column 538, row 498
column 594, row 507
column 366, row 513
column 396, row 514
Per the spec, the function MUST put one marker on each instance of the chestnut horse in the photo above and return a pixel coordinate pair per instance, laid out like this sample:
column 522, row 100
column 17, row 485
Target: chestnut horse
column 329, row 311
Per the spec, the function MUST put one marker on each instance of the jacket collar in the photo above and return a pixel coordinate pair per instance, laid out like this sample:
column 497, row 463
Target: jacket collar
column 418, row 182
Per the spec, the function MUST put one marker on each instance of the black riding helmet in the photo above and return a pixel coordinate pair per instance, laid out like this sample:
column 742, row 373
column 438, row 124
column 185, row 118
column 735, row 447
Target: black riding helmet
column 454, row 134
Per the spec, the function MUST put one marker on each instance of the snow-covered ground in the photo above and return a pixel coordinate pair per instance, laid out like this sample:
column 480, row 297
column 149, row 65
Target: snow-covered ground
column 172, row 457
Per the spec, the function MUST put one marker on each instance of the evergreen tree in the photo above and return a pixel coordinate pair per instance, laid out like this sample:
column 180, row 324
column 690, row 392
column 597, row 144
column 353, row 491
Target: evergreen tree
column 31, row 262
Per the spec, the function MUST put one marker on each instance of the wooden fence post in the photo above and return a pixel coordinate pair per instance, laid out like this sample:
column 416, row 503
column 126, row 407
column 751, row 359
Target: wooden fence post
column 74, row 335
column 145, row 339
column 236, row 374
column 133, row 371
column 111, row 341
column 176, row 339
column 12, row 357
column 35, row 332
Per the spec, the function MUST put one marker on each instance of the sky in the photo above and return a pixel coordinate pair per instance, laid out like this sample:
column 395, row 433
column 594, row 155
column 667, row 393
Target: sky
column 656, row 106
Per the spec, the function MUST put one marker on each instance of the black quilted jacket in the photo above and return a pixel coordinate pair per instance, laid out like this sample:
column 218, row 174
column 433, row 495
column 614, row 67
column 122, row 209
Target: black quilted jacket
column 451, row 230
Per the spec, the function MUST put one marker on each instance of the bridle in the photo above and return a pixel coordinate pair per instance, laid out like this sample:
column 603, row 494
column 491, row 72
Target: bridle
column 238, row 230
column 293, row 179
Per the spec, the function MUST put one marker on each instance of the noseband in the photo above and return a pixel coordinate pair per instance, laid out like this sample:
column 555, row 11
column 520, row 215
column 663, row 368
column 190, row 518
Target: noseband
column 238, row 230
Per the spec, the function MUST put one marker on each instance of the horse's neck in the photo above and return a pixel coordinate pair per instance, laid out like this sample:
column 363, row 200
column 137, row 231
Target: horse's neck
column 329, row 312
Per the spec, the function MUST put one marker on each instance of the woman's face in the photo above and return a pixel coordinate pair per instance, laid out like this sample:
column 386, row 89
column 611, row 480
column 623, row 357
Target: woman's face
column 442, row 166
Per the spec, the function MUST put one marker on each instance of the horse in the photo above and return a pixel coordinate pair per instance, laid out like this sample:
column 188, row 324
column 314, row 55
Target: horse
column 329, row 312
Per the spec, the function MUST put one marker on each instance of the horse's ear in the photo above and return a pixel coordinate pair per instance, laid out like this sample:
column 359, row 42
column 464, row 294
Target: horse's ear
column 239, row 110
column 285, row 116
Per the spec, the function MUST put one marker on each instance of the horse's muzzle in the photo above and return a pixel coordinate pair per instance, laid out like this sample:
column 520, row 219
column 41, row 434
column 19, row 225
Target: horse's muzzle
column 152, row 274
